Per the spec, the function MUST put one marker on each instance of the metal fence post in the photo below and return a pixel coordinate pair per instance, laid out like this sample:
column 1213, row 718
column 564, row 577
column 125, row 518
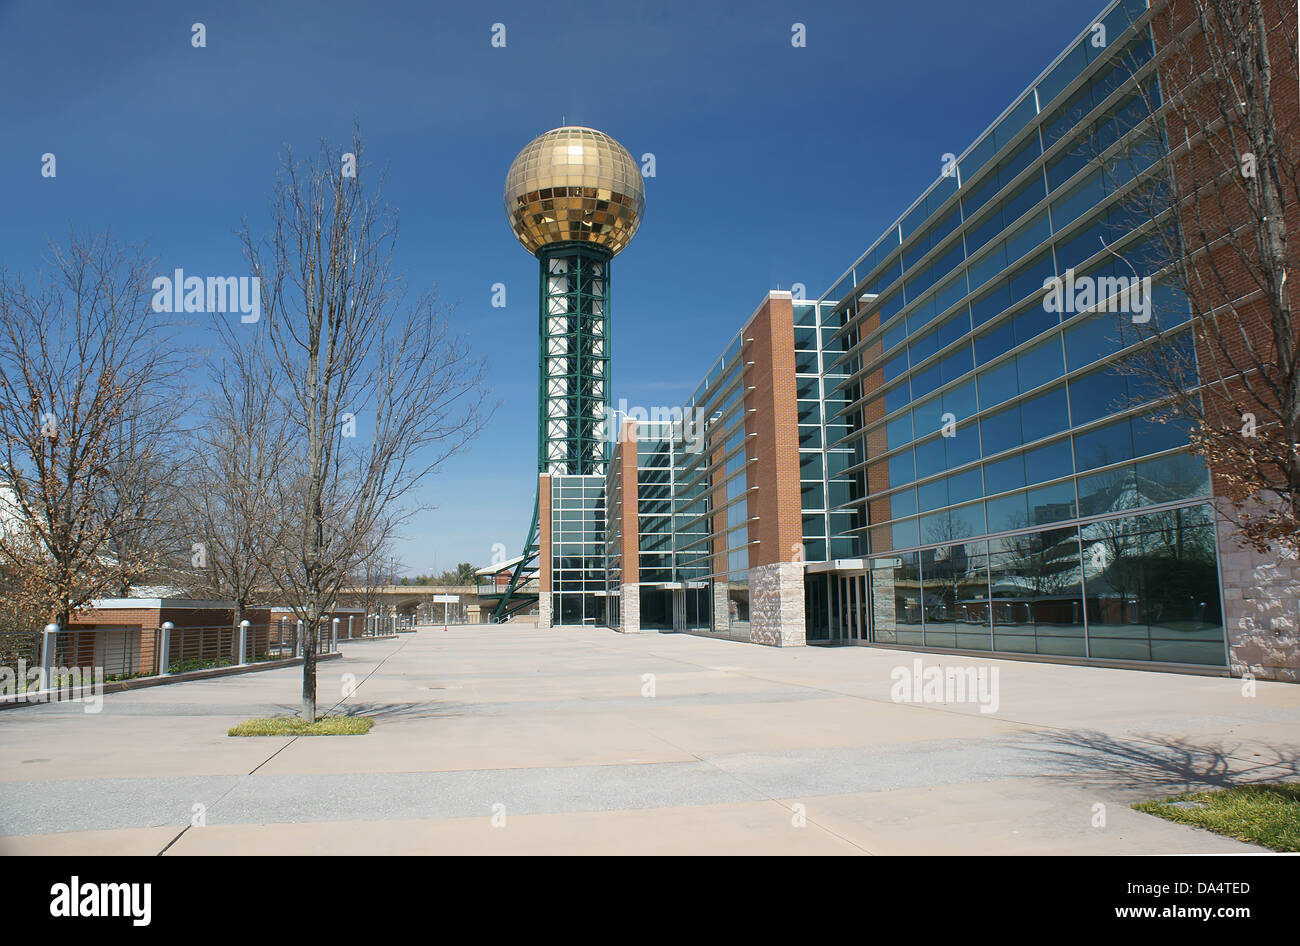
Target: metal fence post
column 334, row 634
column 165, row 648
column 243, row 641
column 349, row 627
column 298, row 648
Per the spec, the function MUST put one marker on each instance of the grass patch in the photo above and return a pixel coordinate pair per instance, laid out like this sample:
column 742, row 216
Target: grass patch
column 293, row 726
column 1268, row 815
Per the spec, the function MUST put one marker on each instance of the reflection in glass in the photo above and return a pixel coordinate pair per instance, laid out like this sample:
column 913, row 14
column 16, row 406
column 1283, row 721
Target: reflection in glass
column 896, row 600
column 1035, row 584
column 955, row 585
column 1153, row 589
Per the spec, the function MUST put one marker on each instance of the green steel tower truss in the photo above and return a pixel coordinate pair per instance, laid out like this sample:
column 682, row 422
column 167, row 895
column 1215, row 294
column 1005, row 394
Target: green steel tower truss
column 573, row 377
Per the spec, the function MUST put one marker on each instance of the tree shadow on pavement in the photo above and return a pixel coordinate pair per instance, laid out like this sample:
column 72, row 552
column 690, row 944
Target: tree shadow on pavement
column 398, row 711
column 1158, row 763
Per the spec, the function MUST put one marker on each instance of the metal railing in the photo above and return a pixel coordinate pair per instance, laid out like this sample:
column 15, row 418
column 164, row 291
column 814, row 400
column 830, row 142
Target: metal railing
column 131, row 652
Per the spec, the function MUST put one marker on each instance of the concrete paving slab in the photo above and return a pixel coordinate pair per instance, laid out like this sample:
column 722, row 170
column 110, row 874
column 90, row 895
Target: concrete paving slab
column 556, row 726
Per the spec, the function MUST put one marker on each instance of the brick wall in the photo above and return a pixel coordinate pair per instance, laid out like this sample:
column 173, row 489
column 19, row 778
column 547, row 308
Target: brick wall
column 775, row 449
column 1261, row 591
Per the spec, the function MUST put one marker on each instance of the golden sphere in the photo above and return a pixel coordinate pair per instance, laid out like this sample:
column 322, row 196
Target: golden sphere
column 574, row 184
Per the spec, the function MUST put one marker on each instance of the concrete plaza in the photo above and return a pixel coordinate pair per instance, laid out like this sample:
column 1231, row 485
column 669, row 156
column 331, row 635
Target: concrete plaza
column 513, row 740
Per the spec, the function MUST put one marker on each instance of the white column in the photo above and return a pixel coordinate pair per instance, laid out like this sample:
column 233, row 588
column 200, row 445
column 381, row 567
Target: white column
column 165, row 648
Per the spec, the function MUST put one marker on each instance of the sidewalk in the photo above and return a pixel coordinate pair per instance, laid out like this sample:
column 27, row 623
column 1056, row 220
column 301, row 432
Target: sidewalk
column 506, row 739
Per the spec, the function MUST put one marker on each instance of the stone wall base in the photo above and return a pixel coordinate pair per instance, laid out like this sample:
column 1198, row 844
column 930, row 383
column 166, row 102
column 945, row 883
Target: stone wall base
column 544, row 610
column 629, row 609
column 721, row 611
column 1261, row 607
column 776, row 615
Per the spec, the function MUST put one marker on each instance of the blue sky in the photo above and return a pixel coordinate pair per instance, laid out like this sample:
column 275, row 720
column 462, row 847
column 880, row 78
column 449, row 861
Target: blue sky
column 775, row 164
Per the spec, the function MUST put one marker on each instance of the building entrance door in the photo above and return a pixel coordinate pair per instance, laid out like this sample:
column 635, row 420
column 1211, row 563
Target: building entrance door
column 848, row 609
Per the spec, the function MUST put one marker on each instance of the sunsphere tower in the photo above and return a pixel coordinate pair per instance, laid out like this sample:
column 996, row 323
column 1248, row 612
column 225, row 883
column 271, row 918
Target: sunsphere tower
column 574, row 197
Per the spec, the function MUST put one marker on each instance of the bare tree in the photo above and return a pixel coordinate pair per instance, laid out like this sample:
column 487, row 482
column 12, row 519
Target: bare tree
column 80, row 355
column 142, row 494
column 377, row 390
column 231, row 501
column 371, row 574
column 1211, row 169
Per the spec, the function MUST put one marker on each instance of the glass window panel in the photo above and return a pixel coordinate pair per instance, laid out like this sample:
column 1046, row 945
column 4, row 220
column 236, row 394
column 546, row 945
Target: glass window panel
column 1153, row 433
column 998, row 384
column 1036, row 592
column 1001, row 431
column 1051, row 503
column 1044, row 414
column 1015, row 120
column 991, row 303
column 898, row 431
column 1048, row 462
column 896, row 600
column 1170, row 479
column 1066, row 71
column 935, row 527
column 901, row 470
column 894, row 336
column 926, row 381
column 993, row 342
column 978, row 156
column 932, row 495
column 1033, row 322
column 980, row 195
column 1078, row 200
column 953, row 328
column 960, row 400
column 1007, row 474
column 1112, row 443
column 965, row 486
column 898, row 396
column 966, row 521
column 955, row 581
column 921, row 349
column 1182, row 594
column 1108, row 491
column 928, row 417
column 1023, row 198
column 1007, row 513
column 1031, row 277
column 905, row 534
column 958, row 363
column 921, row 316
column 1092, row 339
column 1097, row 394
column 990, row 227
column 903, row 503
column 1117, row 612
column 964, row 447
column 930, row 457
column 1040, row 364
column 950, row 293
column 1028, row 236
column 989, row 265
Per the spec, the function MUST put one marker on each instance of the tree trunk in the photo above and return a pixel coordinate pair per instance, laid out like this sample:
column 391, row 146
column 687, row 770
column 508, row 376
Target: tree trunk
column 309, row 666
